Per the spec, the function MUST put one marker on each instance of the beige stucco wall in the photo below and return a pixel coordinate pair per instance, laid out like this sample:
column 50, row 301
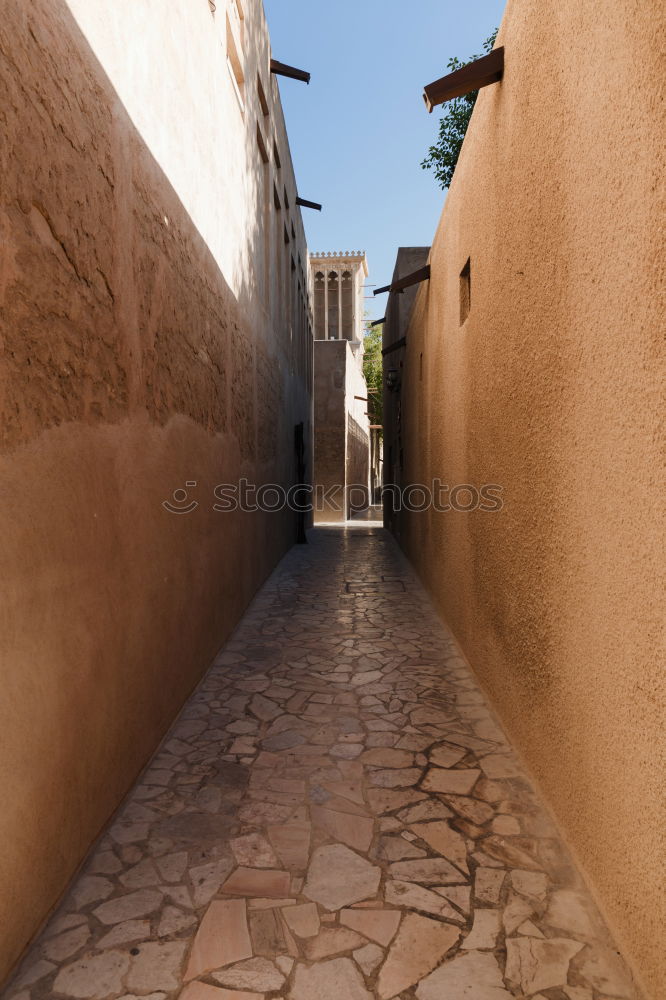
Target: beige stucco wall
column 150, row 335
column 551, row 389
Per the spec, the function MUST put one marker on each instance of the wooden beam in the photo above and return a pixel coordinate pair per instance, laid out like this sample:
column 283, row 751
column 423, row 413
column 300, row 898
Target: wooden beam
column 395, row 347
column 378, row 322
column 477, row 74
column 423, row 274
column 308, row 204
column 376, row 427
column 281, row 69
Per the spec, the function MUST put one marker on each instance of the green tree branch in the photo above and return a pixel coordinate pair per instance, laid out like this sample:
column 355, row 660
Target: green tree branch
column 443, row 156
column 373, row 372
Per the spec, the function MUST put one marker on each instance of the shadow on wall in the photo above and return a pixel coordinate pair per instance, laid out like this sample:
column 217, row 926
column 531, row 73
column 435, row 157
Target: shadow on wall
column 78, row 175
column 128, row 369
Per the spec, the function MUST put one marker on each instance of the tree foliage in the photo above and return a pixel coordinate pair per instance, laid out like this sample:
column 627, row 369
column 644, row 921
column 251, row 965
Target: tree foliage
column 372, row 370
column 443, row 156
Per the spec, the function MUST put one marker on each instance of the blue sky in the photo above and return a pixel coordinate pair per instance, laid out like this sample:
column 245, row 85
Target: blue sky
column 359, row 131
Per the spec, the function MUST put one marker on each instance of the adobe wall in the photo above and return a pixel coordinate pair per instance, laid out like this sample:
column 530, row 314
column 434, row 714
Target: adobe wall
column 138, row 229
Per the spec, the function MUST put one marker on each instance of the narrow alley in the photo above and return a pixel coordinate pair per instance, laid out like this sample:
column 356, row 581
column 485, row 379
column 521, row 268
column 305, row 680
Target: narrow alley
column 335, row 815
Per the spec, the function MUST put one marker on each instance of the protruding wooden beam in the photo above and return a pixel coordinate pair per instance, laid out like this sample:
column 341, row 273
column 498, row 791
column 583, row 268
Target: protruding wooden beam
column 477, row 74
column 378, row 322
column 414, row 278
column 281, row 69
column 396, row 346
column 308, row 204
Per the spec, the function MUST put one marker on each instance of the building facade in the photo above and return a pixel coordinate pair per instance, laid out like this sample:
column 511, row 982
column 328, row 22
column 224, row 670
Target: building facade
column 341, row 410
column 532, row 362
column 156, row 331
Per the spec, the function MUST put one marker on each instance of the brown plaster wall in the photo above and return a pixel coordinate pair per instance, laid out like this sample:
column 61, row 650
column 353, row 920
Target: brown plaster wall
column 399, row 308
column 550, row 388
column 127, row 368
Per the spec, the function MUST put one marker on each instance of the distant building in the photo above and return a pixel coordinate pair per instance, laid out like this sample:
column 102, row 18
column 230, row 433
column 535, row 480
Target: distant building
column 341, row 421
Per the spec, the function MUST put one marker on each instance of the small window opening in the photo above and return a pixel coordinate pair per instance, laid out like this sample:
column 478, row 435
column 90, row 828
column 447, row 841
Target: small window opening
column 420, row 367
column 276, row 197
column 286, row 199
column 465, row 291
column 286, row 235
column 276, row 154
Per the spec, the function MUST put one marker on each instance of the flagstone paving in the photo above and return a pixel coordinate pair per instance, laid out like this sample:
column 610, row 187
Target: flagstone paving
column 335, row 815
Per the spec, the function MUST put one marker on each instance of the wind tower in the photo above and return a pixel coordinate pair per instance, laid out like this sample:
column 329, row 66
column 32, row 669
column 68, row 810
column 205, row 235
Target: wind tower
column 338, row 281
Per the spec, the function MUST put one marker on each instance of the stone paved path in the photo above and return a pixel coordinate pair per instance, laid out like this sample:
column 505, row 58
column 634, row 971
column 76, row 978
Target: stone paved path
column 334, row 816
